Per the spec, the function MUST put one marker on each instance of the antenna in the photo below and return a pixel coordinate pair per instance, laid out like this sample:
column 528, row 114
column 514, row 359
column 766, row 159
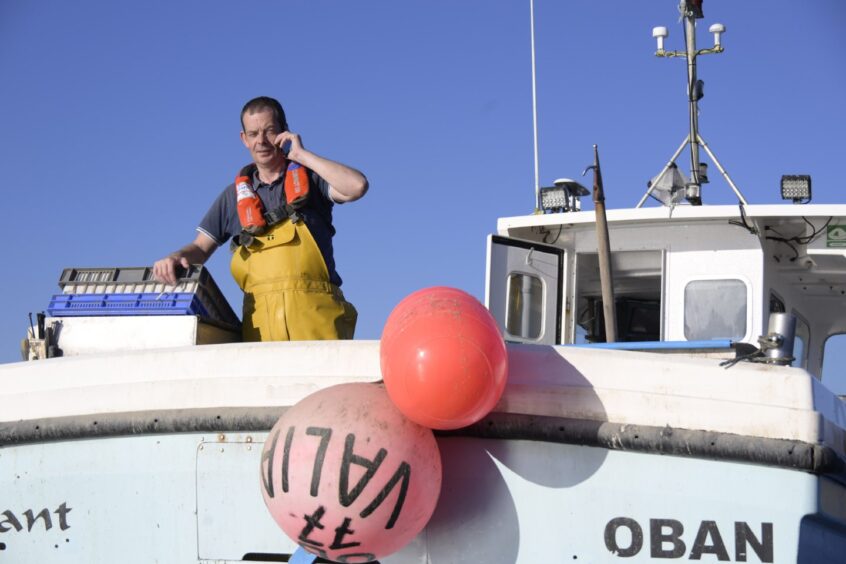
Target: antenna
column 668, row 191
column 534, row 106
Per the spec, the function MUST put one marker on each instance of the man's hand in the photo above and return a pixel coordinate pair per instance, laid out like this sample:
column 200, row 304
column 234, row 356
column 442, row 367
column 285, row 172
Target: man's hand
column 164, row 270
column 295, row 145
column 196, row 252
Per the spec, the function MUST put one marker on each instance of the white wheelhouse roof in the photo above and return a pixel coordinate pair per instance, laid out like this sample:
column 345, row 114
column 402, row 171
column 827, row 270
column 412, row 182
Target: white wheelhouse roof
column 678, row 213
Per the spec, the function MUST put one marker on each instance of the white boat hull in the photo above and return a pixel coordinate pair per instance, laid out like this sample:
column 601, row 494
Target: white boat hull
column 196, row 498
column 591, row 456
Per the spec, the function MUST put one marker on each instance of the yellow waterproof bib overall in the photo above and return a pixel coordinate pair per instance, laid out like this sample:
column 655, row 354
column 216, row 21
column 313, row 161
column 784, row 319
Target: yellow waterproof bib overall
column 287, row 292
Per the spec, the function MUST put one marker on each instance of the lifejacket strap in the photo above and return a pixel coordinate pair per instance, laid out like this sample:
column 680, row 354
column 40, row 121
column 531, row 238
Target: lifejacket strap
column 280, row 214
column 243, row 239
column 274, row 216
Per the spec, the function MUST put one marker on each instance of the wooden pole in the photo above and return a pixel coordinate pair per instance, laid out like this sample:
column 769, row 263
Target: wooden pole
column 606, row 276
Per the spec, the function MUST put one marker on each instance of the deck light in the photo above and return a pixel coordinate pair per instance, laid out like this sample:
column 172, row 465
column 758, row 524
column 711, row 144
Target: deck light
column 563, row 196
column 796, row 187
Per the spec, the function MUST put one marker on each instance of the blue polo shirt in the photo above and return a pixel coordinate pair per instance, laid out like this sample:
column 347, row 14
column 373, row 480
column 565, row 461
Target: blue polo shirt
column 221, row 221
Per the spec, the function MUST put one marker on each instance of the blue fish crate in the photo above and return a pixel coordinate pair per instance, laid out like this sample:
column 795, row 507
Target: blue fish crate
column 135, row 291
column 82, row 305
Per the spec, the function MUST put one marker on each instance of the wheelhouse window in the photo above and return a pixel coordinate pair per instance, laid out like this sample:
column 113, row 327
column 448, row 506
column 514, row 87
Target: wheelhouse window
column 638, row 287
column 715, row 309
column 800, row 343
column 834, row 360
column 524, row 312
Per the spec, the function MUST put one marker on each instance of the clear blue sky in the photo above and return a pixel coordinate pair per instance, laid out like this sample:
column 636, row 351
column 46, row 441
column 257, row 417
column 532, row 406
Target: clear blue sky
column 119, row 122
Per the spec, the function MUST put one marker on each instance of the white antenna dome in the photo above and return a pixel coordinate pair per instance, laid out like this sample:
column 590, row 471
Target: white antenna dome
column 717, row 29
column 660, row 33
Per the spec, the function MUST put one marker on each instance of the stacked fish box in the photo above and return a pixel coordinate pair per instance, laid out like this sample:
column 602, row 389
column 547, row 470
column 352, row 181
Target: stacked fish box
column 118, row 309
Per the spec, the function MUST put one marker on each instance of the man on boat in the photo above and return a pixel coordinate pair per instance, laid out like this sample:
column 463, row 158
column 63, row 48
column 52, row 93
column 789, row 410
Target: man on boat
column 279, row 216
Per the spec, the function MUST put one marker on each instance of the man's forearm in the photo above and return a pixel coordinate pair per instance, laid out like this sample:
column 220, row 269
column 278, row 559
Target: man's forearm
column 193, row 253
column 196, row 252
column 347, row 182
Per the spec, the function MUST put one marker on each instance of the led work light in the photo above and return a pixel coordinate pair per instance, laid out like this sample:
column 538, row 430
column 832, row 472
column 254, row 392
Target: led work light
column 563, row 196
column 796, row 187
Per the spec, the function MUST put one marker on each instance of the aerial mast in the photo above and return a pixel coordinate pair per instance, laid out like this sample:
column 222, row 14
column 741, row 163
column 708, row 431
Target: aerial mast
column 534, row 105
column 691, row 190
column 693, row 11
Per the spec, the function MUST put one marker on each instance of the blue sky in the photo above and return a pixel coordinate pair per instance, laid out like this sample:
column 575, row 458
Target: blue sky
column 120, row 122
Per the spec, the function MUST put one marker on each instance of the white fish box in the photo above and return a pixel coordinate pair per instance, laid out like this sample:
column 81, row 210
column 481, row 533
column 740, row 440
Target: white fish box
column 91, row 335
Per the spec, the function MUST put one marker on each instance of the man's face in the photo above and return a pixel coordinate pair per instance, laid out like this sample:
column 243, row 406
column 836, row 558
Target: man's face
column 260, row 129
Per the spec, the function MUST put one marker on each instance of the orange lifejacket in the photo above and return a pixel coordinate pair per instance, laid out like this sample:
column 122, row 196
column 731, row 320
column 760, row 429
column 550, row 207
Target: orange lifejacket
column 251, row 213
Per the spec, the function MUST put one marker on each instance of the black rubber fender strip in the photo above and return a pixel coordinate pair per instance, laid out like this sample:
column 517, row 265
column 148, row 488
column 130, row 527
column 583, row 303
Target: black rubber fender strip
column 783, row 453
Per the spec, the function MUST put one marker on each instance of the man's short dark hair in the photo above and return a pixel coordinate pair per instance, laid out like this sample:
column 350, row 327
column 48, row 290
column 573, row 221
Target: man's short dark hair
column 265, row 103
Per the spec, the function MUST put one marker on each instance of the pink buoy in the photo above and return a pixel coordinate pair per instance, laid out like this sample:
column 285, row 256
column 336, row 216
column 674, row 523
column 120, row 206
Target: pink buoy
column 347, row 476
column 443, row 359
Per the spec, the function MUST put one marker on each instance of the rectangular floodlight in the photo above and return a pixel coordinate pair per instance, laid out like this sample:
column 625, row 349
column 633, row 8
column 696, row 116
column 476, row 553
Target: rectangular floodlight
column 796, row 187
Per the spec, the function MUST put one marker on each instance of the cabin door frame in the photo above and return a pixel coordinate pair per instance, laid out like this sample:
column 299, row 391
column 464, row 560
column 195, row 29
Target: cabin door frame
column 524, row 289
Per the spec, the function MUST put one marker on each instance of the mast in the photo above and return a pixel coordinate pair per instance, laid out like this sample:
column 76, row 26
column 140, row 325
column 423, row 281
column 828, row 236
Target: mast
column 534, row 105
column 694, row 93
column 691, row 190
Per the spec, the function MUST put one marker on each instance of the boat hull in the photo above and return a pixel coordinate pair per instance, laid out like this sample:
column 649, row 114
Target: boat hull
column 591, row 455
column 195, row 497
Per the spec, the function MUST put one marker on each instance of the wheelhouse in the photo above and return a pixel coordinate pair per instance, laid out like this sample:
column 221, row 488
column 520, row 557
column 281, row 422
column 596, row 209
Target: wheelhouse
column 687, row 275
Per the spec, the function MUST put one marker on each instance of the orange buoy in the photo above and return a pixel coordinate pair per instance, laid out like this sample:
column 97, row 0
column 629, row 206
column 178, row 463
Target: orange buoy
column 443, row 359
